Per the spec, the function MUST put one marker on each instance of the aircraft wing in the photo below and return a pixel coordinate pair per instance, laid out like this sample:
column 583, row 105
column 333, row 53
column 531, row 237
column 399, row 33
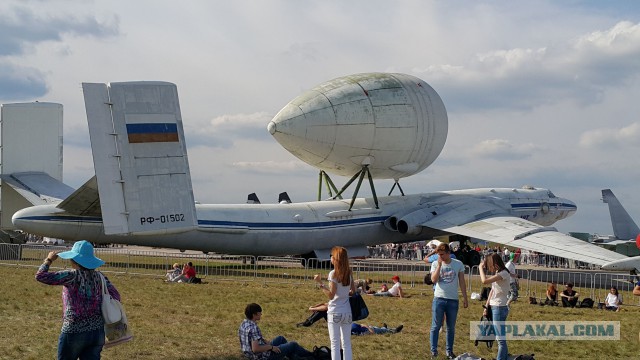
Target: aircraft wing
column 520, row 233
column 84, row 201
column 37, row 187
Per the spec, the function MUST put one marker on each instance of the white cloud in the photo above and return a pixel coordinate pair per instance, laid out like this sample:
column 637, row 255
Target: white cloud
column 500, row 149
column 626, row 137
column 272, row 167
column 523, row 78
column 553, row 85
column 222, row 130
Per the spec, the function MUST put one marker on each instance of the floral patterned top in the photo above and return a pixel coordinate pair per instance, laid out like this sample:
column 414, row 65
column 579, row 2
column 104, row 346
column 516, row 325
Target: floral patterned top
column 81, row 297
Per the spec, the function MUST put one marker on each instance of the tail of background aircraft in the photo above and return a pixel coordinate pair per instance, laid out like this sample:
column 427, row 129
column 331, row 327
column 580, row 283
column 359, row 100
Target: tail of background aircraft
column 140, row 158
column 624, row 228
column 31, row 138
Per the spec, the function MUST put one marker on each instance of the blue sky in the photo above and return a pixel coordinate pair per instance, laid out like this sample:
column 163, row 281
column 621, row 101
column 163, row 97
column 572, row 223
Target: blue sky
column 543, row 93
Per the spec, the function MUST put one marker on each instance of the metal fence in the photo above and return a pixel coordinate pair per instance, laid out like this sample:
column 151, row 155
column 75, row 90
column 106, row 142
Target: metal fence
column 533, row 281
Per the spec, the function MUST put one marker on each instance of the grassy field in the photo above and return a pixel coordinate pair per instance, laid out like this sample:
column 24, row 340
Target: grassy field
column 179, row 321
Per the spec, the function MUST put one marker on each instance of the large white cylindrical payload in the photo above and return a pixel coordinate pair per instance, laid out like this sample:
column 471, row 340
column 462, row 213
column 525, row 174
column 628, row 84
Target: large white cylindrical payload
column 395, row 123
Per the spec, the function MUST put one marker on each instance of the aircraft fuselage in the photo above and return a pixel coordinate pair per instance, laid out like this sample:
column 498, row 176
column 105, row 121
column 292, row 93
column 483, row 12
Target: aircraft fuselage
column 298, row 228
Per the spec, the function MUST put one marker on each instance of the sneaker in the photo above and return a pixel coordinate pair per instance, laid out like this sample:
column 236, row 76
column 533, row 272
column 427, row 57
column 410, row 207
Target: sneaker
column 434, row 355
column 451, row 355
column 398, row 329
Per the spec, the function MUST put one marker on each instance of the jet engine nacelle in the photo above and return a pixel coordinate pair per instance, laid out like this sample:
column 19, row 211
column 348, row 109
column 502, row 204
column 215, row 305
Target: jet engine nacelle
column 411, row 224
column 396, row 124
column 391, row 223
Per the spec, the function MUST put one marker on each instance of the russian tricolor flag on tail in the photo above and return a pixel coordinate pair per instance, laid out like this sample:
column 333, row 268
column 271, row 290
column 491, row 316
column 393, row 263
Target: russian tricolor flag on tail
column 152, row 132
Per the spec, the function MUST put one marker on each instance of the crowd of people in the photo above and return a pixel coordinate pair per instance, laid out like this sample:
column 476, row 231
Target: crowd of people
column 416, row 251
column 83, row 331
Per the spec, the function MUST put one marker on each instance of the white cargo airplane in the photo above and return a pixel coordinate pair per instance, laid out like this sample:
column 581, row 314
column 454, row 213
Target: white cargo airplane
column 142, row 195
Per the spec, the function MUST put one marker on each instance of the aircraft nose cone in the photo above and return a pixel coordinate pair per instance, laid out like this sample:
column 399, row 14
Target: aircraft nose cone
column 271, row 127
column 571, row 204
column 26, row 219
column 19, row 219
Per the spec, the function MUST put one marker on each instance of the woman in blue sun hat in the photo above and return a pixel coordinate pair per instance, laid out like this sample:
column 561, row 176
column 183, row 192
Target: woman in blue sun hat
column 82, row 335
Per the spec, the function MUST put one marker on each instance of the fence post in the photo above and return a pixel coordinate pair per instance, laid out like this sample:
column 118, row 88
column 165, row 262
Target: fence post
column 469, row 279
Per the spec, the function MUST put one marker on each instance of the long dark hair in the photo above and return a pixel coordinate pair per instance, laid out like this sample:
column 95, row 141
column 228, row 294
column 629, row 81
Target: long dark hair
column 615, row 289
column 495, row 262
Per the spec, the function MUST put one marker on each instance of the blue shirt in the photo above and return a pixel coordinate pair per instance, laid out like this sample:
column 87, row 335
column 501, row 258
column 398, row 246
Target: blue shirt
column 447, row 285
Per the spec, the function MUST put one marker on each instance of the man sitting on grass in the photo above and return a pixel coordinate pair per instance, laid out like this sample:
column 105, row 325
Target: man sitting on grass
column 255, row 347
column 569, row 296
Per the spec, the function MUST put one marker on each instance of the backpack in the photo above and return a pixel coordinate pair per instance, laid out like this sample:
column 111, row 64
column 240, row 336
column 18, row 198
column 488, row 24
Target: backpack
column 586, row 303
column 427, row 279
column 359, row 309
column 321, row 353
column 524, row 357
column 486, row 324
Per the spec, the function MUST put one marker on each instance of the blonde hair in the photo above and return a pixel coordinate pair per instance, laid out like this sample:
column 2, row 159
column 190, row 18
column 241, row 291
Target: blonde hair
column 341, row 267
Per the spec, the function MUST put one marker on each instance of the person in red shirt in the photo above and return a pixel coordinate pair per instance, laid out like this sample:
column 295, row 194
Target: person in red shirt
column 188, row 273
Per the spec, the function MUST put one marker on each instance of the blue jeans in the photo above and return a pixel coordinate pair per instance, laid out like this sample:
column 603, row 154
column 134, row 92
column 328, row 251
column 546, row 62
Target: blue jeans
column 381, row 330
column 439, row 308
column 288, row 349
column 500, row 314
column 84, row 345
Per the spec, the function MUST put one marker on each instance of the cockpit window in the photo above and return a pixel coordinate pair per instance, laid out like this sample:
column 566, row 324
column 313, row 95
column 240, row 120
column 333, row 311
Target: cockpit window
column 551, row 195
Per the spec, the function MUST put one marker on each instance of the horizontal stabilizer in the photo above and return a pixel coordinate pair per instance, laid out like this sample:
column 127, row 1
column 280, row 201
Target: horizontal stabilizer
column 37, row 187
column 140, row 158
column 84, row 201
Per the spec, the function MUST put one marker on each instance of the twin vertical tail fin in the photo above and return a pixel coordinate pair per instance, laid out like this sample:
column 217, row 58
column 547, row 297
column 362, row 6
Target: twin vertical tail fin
column 140, row 158
column 624, row 228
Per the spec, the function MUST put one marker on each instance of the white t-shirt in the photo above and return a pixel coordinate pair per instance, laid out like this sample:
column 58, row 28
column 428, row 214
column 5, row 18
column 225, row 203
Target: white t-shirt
column 512, row 270
column 611, row 300
column 500, row 289
column 395, row 289
column 340, row 302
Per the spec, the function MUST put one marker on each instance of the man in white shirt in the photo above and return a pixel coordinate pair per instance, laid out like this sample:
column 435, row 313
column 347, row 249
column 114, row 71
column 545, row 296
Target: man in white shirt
column 513, row 282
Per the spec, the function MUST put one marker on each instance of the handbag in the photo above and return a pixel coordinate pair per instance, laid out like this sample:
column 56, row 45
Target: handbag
column 111, row 308
column 116, row 326
column 359, row 309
